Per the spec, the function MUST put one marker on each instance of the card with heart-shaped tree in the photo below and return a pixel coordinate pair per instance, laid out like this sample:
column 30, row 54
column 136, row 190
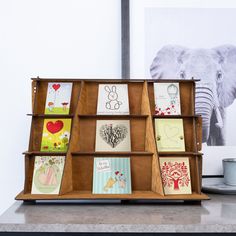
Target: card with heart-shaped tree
column 56, row 135
column 58, row 98
column 113, row 135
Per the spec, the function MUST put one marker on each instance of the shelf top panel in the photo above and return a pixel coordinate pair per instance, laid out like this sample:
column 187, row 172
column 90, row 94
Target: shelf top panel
column 112, row 80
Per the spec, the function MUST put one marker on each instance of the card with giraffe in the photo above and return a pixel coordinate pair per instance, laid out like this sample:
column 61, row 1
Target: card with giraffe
column 175, row 173
column 111, row 175
column 113, row 99
column 58, row 98
column 56, row 135
column 47, row 174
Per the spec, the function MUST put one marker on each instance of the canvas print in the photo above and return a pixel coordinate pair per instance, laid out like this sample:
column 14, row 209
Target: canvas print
column 167, row 99
column 169, row 135
column 58, row 98
column 194, row 53
column 113, row 99
column 111, row 176
column 56, row 135
column 175, row 173
column 113, row 135
column 47, row 174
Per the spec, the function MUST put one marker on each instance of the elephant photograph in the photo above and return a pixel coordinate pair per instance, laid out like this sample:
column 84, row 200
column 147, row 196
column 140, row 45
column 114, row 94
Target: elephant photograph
column 216, row 90
column 185, row 43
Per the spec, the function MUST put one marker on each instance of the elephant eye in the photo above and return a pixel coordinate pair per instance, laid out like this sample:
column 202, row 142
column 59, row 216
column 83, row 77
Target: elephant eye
column 182, row 74
column 219, row 76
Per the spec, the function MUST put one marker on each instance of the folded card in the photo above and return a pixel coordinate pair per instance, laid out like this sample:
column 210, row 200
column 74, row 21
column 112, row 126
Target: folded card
column 169, row 135
column 111, row 176
column 175, row 173
column 113, row 99
column 58, row 98
column 47, row 174
column 113, row 135
column 167, row 99
column 56, row 135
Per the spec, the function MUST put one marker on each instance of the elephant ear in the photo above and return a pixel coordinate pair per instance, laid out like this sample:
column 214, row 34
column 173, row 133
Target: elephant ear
column 226, row 56
column 167, row 63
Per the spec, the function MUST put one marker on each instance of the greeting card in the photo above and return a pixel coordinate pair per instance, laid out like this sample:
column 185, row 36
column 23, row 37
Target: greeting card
column 56, row 135
column 113, row 99
column 113, row 135
column 58, row 98
column 47, row 174
column 175, row 173
column 167, row 99
column 169, row 135
column 111, row 176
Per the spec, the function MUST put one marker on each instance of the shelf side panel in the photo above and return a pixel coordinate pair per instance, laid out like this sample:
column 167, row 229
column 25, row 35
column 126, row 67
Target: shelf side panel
column 150, row 144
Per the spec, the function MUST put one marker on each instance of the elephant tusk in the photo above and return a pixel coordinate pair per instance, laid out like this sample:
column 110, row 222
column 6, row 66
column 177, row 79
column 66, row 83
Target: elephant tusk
column 219, row 119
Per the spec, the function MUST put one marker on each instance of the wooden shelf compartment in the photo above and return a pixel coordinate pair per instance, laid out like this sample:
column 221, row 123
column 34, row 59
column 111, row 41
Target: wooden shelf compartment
column 37, row 132
column 89, row 96
column 141, row 178
column 187, row 95
column 40, row 87
column 87, row 134
column 195, row 165
column 190, row 133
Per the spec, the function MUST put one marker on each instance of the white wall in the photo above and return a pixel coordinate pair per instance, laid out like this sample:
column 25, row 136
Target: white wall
column 49, row 38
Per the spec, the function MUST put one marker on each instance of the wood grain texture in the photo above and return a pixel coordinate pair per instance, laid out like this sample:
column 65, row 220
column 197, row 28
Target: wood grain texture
column 150, row 144
column 144, row 156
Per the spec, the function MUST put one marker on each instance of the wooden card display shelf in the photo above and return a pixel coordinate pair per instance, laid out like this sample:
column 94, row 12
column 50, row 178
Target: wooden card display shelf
column 145, row 170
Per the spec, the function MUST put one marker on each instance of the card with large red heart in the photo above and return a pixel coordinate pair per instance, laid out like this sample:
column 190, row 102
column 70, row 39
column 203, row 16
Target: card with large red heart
column 56, row 135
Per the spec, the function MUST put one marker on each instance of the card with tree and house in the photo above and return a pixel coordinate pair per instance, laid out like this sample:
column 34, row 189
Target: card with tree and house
column 58, row 98
column 113, row 99
column 169, row 135
column 167, row 99
column 111, row 175
column 47, row 174
column 175, row 173
column 56, row 135
column 113, row 135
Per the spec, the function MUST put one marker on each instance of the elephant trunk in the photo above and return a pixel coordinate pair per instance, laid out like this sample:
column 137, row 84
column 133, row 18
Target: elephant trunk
column 207, row 103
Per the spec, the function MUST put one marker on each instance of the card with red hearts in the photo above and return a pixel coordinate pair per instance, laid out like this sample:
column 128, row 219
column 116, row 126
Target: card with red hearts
column 58, row 98
column 56, row 135
column 167, row 99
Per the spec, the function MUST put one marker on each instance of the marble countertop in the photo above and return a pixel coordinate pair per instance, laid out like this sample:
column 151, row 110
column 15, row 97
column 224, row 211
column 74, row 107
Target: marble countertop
column 215, row 215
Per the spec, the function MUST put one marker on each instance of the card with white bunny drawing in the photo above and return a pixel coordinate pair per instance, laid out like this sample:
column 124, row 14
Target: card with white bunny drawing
column 113, row 99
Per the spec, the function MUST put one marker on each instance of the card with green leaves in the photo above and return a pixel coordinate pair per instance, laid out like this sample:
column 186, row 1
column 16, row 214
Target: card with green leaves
column 47, row 174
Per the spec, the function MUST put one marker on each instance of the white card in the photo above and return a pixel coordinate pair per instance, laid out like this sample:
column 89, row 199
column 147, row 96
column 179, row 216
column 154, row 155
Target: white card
column 167, row 99
column 113, row 135
column 113, row 99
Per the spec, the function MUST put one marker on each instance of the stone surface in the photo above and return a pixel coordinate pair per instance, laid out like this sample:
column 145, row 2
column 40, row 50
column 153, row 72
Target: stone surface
column 215, row 215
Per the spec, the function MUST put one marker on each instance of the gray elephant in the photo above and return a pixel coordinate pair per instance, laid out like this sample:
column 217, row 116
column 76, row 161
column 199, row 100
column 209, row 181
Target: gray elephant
column 216, row 68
